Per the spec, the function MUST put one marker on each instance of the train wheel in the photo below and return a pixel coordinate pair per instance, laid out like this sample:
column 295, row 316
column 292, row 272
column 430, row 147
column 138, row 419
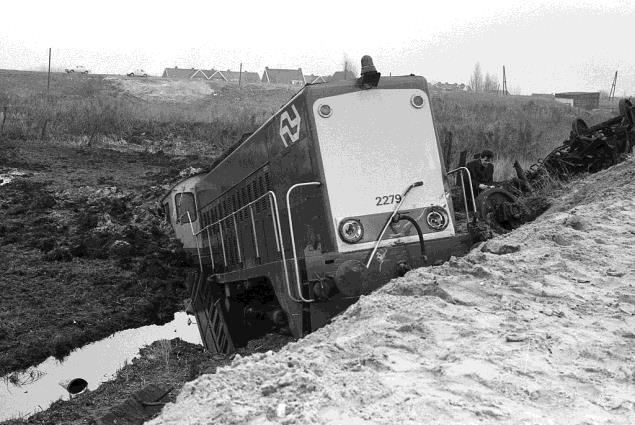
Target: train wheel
column 500, row 209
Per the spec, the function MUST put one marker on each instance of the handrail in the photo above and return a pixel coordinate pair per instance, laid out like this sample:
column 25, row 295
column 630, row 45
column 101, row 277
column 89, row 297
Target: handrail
column 469, row 177
column 295, row 255
column 381, row 235
column 209, row 244
column 198, row 250
column 253, row 230
column 240, row 257
column 269, row 193
column 284, row 259
column 275, row 218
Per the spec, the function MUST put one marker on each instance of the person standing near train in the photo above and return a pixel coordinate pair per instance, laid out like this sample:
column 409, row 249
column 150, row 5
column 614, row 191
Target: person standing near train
column 482, row 172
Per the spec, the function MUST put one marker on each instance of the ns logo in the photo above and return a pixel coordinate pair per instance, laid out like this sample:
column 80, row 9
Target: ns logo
column 290, row 126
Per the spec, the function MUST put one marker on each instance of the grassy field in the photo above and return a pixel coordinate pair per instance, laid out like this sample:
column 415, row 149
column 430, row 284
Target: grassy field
column 205, row 117
column 93, row 106
column 514, row 127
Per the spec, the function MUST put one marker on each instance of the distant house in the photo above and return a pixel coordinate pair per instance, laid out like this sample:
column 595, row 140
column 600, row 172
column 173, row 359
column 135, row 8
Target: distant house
column 543, row 95
column 584, row 100
column 314, row 79
column 565, row 101
column 451, row 87
column 340, row 75
column 211, row 74
column 177, row 72
column 283, row 76
column 235, row 76
column 216, row 75
column 201, row 73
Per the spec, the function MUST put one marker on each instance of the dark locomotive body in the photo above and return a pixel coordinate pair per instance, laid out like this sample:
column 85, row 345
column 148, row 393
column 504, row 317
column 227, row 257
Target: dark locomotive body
column 339, row 157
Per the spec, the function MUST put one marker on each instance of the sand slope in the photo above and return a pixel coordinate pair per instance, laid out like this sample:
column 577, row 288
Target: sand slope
column 536, row 326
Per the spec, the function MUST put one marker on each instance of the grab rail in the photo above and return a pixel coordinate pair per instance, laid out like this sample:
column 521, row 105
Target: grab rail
column 295, row 255
column 198, row 250
column 275, row 218
column 463, row 171
column 381, row 235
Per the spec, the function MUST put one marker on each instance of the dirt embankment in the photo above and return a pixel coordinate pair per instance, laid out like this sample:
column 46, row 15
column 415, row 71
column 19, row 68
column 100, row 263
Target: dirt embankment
column 536, row 326
column 83, row 253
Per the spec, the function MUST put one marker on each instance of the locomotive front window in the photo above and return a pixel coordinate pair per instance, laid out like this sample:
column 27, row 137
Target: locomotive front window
column 185, row 204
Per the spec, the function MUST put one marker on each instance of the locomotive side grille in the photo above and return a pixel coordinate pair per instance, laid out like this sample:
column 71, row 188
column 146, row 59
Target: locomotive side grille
column 259, row 188
column 230, row 242
column 239, row 203
column 235, row 209
column 268, row 184
column 253, row 194
column 245, row 212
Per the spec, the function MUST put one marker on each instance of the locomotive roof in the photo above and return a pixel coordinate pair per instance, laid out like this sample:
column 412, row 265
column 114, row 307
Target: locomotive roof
column 198, row 175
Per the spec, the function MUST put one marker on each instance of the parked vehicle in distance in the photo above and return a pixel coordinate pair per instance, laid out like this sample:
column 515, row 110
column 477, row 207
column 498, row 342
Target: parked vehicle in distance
column 137, row 73
column 79, row 69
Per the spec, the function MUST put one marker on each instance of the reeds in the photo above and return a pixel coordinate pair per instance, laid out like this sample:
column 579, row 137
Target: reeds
column 514, row 127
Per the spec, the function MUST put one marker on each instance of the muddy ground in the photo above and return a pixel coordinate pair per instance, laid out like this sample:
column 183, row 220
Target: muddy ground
column 83, row 253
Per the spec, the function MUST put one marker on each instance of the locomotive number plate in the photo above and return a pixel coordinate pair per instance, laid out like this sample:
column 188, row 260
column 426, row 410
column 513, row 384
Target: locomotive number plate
column 387, row 199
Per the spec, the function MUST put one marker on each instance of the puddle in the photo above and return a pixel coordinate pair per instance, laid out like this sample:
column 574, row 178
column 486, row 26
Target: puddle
column 8, row 176
column 97, row 363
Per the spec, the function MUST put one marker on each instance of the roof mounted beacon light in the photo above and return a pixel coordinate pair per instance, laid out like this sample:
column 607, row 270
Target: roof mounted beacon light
column 370, row 76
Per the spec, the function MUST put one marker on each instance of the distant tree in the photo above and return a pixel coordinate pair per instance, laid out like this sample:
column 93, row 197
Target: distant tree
column 476, row 80
column 490, row 84
column 349, row 67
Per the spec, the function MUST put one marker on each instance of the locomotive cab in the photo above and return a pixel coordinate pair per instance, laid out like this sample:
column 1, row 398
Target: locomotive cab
column 179, row 208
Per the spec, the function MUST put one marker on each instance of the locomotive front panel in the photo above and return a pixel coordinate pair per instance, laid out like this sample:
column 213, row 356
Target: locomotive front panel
column 374, row 144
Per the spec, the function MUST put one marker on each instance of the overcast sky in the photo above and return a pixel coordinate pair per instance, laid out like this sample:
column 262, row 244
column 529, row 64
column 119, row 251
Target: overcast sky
column 546, row 47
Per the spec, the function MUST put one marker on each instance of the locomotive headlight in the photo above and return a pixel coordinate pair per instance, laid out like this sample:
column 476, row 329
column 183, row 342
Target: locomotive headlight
column 325, row 111
column 417, row 101
column 351, row 230
column 437, row 218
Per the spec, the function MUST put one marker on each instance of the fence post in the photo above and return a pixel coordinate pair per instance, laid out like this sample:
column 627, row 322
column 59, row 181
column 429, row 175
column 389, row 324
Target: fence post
column 448, row 149
column 43, row 133
column 4, row 118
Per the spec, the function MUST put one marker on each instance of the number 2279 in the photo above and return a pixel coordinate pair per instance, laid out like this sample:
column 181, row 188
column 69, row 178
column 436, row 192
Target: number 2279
column 388, row 199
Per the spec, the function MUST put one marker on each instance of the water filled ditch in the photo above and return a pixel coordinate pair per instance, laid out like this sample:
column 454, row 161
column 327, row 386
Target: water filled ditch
column 98, row 362
column 7, row 177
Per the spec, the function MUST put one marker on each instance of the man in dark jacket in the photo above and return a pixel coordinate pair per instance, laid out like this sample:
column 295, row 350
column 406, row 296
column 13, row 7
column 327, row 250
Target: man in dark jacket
column 482, row 172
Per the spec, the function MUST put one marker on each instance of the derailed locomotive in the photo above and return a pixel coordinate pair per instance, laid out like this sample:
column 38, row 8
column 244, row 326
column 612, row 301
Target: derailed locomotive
column 341, row 190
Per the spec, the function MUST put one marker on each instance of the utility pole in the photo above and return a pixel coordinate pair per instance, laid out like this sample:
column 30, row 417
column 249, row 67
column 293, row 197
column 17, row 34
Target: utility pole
column 48, row 81
column 612, row 92
column 505, row 91
column 240, row 74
